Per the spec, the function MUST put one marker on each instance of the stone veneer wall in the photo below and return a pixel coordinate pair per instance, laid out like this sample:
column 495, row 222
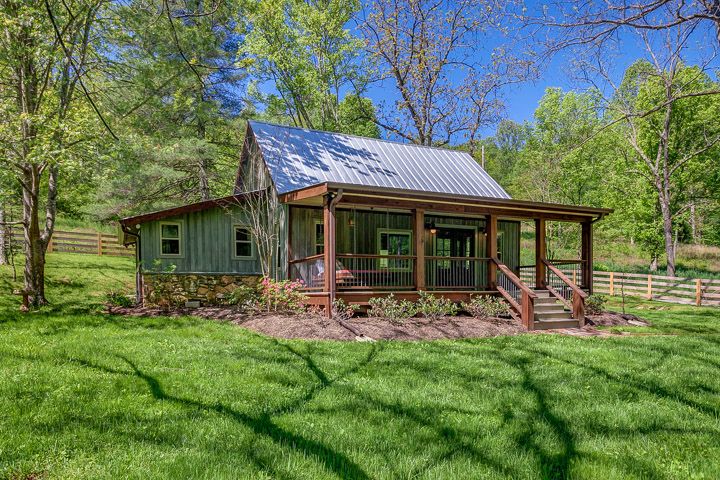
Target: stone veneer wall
column 209, row 289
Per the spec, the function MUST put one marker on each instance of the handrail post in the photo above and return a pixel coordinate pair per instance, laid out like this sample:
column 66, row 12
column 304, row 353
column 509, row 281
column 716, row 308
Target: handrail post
column 527, row 313
column 578, row 304
column 419, row 235
column 491, row 249
column 540, row 249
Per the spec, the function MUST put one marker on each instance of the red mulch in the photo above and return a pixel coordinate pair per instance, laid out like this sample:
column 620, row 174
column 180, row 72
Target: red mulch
column 318, row 327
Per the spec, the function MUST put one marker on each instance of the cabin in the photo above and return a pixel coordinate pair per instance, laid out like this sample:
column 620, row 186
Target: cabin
column 355, row 218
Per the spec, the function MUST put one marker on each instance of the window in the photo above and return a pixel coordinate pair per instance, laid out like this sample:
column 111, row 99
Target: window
column 319, row 238
column 243, row 242
column 395, row 242
column 170, row 239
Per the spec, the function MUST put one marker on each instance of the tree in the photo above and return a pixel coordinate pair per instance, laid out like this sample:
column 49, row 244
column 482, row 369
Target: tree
column 429, row 51
column 174, row 87
column 596, row 22
column 304, row 50
column 672, row 147
column 46, row 58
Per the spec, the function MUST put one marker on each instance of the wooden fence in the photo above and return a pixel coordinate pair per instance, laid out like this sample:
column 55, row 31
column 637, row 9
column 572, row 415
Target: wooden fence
column 697, row 291
column 84, row 241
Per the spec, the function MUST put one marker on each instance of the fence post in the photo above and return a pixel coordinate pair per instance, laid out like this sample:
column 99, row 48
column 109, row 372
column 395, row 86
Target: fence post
column 612, row 284
column 649, row 291
column 698, row 292
column 99, row 243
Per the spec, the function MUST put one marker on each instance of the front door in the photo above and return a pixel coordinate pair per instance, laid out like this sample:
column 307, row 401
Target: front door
column 457, row 244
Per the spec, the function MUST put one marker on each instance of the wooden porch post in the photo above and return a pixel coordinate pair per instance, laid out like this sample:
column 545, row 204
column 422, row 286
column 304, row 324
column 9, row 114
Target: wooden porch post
column 329, row 286
column 540, row 252
column 419, row 235
column 586, row 254
column 491, row 248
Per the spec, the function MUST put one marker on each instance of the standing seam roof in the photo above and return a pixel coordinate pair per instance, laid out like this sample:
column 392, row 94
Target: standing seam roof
column 298, row 158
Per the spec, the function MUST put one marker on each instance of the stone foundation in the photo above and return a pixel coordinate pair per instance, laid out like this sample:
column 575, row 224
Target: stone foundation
column 181, row 287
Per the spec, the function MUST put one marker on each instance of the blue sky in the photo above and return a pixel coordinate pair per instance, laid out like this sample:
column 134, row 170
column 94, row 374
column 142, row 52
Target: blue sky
column 521, row 100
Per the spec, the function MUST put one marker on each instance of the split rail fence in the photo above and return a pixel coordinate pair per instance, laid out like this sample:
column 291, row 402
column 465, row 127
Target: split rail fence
column 697, row 291
column 83, row 241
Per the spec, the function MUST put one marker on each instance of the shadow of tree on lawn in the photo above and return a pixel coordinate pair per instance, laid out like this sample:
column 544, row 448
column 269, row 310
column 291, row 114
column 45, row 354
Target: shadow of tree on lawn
column 262, row 424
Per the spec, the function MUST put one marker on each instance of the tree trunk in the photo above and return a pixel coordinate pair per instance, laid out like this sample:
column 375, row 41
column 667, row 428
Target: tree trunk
column 33, row 247
column 5, row 233
column 36, row 241
column 668, row 234
column 654, row 263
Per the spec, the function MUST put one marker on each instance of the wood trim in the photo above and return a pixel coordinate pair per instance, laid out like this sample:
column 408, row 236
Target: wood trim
column 540, row 252
column 419, row 233
column 385, row 193
column 491, row 249
column 304, row 193
column 480, row 210
column 586, row 254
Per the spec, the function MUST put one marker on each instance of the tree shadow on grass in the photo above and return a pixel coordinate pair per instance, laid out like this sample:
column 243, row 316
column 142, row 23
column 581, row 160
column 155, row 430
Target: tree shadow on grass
column 262, row 424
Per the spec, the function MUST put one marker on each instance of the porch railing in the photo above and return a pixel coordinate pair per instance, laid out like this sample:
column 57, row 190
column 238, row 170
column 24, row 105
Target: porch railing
column 456, row 273
column 520, row 297
column 566, row 290
column 573, row 269
column 357, row 272
column 309, row 271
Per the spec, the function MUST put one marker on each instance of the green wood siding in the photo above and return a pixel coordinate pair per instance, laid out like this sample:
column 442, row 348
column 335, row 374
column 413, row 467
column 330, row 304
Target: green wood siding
column 361, row 237
column 509, row 243
column 207, row 243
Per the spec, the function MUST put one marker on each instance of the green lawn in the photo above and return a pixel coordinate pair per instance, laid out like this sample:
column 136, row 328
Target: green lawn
column 87, row 395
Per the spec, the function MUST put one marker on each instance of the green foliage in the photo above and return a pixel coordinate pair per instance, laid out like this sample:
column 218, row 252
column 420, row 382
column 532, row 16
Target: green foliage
column 305, row 50
column 485, row 306
column 595, row 304
column 433, row 307
column 245, row 297
column 119, row 299
column 342, row 310
column 391, row 309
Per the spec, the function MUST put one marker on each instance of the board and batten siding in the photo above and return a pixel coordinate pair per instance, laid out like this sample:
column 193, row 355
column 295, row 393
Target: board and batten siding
column 207, row 245
column 357, row 231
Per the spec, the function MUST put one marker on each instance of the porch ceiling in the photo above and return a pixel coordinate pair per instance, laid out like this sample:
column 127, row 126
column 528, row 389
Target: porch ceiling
column 353, row 195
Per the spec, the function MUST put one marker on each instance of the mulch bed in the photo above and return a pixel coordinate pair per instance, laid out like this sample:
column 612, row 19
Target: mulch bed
column 317, row 327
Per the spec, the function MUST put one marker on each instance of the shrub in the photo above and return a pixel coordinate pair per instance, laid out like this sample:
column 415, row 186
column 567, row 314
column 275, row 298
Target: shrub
column 119, row 299
column 432, row 307
column 244, row 297
column 484, row 306
column 595, row 304
column 391, row 309
column 343, row 311
column 281, row 296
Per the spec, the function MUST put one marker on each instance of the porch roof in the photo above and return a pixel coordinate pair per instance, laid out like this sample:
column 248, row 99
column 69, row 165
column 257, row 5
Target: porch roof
column 353, row 195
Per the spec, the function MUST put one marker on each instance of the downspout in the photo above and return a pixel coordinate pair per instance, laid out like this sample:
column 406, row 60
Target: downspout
column 138, row 264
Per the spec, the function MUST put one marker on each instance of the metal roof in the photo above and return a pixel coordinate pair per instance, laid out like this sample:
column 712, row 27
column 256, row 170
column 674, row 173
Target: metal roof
column 298, row 158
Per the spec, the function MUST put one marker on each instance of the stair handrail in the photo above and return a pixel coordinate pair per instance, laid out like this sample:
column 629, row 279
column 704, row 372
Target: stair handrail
column 579, row 295
column 526, row 307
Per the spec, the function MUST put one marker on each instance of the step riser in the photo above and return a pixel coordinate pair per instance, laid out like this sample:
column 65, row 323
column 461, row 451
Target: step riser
column 554, row 325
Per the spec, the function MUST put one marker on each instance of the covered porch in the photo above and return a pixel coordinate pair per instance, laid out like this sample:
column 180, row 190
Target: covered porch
column 355, row 244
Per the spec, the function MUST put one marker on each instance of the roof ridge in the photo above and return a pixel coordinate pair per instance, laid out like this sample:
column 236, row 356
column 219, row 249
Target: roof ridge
column 384, row 140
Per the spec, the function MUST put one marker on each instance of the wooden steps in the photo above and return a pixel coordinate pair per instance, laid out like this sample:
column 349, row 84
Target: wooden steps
column 550, row 313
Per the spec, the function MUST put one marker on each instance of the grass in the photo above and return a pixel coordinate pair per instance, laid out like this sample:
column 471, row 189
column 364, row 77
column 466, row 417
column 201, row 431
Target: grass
column 89, row 395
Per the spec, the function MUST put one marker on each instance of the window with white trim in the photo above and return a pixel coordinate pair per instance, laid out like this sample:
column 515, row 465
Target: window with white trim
column 243, row 242
column 171, row 239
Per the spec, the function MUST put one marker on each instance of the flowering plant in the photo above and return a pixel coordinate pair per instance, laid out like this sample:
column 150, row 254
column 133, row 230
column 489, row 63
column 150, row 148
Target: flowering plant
column 282, row 296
